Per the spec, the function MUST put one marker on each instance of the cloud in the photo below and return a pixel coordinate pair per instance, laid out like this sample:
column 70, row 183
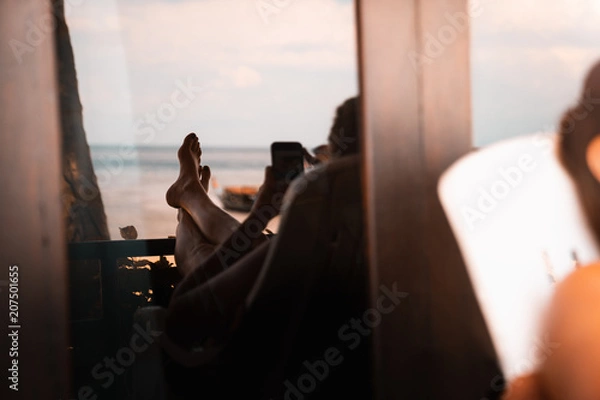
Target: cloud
column 529, row 58
column 242, row 76
column 257, row 76
column 221, row 31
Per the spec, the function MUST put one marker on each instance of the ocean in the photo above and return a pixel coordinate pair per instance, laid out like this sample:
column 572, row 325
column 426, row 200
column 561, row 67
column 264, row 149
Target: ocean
column 133, row 183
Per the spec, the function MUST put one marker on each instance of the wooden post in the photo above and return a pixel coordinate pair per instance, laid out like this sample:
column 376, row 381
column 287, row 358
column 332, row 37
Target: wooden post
column 32, row 235
column 81, row 198
column 415, row 83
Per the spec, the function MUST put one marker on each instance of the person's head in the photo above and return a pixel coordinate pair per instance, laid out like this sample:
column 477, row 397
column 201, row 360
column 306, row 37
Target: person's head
column 579, row 149
column 322, row 153
column 344, row 134
column 572, row 330
column 570, row 352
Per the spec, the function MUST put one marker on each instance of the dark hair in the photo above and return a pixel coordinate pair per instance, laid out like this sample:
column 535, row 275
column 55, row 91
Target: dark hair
column 344, row 134
column 578, row 127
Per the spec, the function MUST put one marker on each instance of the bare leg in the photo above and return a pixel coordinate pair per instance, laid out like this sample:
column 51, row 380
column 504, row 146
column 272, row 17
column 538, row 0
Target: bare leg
column 192, row 248
column 216, row 304
column 189, row 194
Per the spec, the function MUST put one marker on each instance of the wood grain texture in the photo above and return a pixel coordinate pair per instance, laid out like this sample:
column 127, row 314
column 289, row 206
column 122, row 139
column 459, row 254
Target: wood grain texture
column 83, row 208
column 32, row 235
column 416, row 108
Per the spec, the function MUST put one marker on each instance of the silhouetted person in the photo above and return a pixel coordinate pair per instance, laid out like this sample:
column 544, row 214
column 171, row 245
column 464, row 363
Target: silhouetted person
column 232, row 268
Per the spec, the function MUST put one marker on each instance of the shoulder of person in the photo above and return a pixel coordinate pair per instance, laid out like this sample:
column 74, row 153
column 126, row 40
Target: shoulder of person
column 320, row 181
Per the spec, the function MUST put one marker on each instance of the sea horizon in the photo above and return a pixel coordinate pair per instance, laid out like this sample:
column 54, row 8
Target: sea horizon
column 133, row 183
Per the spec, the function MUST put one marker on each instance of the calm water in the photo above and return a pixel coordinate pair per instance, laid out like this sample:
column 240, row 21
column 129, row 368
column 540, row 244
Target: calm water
column 133, row 186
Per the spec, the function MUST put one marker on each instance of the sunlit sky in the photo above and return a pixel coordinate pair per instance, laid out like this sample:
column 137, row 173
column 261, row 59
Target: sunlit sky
column 529, row 59
column 255, row 75
column 258, row 74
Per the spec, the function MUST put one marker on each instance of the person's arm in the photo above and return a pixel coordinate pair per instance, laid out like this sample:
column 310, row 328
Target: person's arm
column 309, row 158
column 246, row 238
column 209, row 302
column 205, row 301
column 210, row 310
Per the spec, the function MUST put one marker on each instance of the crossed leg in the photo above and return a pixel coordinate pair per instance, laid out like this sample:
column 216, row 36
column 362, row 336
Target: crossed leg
column 189, row 195
column 191, row 247
column 214, row 299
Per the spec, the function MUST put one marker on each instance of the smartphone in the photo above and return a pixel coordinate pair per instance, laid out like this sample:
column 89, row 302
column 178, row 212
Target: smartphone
column 287, row 160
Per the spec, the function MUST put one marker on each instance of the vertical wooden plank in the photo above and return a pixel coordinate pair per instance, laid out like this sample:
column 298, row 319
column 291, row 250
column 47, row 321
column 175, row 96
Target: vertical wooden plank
column 461, row 347
column 414, row 62
column 32, row 236
column 394, row 188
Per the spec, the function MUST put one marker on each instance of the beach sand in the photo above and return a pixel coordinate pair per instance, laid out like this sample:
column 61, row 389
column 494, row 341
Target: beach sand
column 135, row 193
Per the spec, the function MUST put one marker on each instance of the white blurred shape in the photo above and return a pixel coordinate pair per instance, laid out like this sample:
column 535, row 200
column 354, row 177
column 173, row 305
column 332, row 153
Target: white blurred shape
column 504, row 245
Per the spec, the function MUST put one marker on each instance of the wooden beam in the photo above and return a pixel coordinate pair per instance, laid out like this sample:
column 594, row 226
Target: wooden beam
column 415, row 84
column 32, row 236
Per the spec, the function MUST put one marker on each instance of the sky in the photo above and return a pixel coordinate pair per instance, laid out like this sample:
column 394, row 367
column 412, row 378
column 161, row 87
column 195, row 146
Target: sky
column 249, row 72
column 236, row 72
column 528, row 62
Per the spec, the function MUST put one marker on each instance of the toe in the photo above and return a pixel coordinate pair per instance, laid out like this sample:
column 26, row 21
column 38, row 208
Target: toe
column 194, row 144
column 189, row 143
column 190, row 136
column 205, row 177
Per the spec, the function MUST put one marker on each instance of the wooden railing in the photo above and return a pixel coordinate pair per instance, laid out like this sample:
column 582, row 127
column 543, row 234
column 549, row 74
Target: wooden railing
column 93, row 339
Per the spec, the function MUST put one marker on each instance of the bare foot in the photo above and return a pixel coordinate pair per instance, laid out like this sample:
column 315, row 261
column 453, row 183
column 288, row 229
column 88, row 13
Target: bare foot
column 205, row 177
column 189, row 156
